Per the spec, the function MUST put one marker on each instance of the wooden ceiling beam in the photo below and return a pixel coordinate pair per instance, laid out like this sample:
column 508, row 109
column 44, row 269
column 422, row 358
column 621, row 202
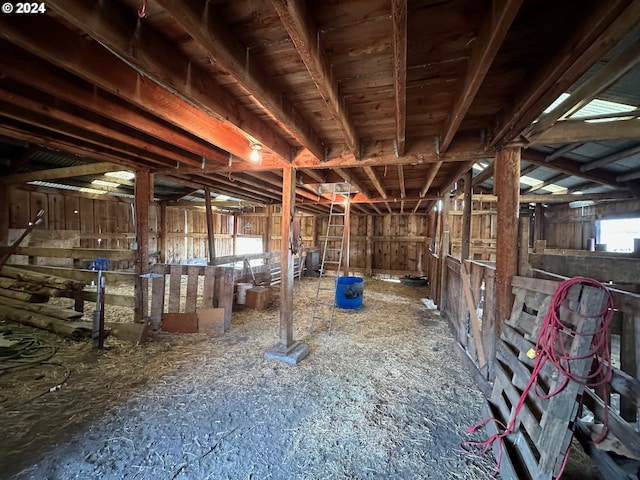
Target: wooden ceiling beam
column 69, row 129
column 403, row 192
column 54, row 141
column 359, row 198
column 58, row 173
column 607, row 159
column 490, row 37
column 602, row 80
column 348, row 177
column 27, row 69
column 100, row 125
column 582, row 187
column 429, row 181
column 171, row 94
column 418, row 152
column 484, row 175
column 579, row 131
column 303, row 33
column 317, row 176
column 625, row 177
column 399, row 21
column 545, row 183
column 605, row 25
column 455, row 176
column 202, row 23
column 375, row 180
column 561, row 197
column 570, row 167
column 563, row 150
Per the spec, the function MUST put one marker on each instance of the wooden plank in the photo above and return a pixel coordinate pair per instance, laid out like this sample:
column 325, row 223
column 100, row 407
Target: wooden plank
column 80, row 253
column 603, row 269
column 526, row 417
column 111, row 277
column 64, row 172
column 629, row 356
column 507, row 469
column 109, row 298
column 157, row 296
column 175, row 283
column 563, row 408
column 621, row 429
column 208, row 291
column 192, row 289
column 226, row 296
column 473, row 313
column 211, row 321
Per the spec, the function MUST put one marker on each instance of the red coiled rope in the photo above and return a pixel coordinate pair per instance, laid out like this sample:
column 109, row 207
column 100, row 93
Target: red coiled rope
column 551, row 348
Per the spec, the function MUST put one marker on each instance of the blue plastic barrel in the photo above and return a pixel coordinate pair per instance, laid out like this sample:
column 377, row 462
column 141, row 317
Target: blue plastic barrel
column 349, row 292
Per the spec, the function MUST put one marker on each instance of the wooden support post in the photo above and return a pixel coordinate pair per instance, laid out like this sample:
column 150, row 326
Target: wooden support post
column 4, row 216
column 524, row 269
column 466, row 218
column 164, row 230
column 369, row 246
column 143, row 195
column 287, row 350
column 347, row 238
column 235, row 234
column 286, row 261
column 538, row 222
column 225, row 299
column 444, row 250
column 507, row 186
column 210, row 230
column 268, row 229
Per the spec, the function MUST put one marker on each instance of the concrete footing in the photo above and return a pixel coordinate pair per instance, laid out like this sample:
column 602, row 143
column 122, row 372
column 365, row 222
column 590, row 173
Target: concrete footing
column 293, row 354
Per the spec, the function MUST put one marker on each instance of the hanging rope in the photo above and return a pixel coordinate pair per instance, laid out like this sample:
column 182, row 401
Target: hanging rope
column 551, row 348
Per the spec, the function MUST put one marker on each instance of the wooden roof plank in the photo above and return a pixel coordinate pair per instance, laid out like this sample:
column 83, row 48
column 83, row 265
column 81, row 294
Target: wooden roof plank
column 602, row 80
column 131, row 39
column 58, row 173
column 306, row 38
column 605, row 25
column 578, row 131
column 607, row 159
column 490, row 37
column 375, row 180
column 200, row 20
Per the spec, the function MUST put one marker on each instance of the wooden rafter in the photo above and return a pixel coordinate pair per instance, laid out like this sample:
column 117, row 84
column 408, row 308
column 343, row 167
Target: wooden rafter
column 546, row 183
column 96, row 124
column 304, row 35
column 375, row 180
column 67, row 128
column 203, row 24
column 399, row 20
column 606, row 160
column 490, row 37
column 571, row 167
column 129, row 38
column 562, row 151
column 579, row 131
column 602, row 80
column 484, row 175
column 527, row 170
column 455, row 176
column 403, row 192
column 57, row 173
column 625, row 177
column 28, row 69
column 605, row 25
column 432, row 175
column 347, row 176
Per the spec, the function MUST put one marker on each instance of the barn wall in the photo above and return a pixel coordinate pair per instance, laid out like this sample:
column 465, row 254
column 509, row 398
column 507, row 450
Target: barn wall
column 571, row 228
column 483, row 229
column 399, row 244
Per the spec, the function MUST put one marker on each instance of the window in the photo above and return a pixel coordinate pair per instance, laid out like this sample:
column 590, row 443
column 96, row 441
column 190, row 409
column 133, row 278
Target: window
column 618, row 234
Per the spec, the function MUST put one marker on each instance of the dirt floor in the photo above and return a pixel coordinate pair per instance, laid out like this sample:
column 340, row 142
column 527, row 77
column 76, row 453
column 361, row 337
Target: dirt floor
column 384, row 396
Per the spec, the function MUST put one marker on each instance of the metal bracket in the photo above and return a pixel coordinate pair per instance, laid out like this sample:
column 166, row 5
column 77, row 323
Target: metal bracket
column 395, row 147
column 437, row 145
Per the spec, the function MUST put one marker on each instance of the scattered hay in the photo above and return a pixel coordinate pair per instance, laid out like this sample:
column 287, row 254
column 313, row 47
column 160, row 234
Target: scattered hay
column 384, row 396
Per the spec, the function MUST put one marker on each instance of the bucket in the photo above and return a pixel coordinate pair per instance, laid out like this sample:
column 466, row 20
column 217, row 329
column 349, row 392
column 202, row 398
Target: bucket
column 242, row 292
column 349, row 292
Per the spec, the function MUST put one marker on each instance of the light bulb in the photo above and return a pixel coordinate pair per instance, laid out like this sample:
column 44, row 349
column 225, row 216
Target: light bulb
column 254, row 155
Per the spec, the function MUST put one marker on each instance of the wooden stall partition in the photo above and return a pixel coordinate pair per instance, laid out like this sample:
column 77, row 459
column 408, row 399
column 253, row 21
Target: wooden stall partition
column 468, row 293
